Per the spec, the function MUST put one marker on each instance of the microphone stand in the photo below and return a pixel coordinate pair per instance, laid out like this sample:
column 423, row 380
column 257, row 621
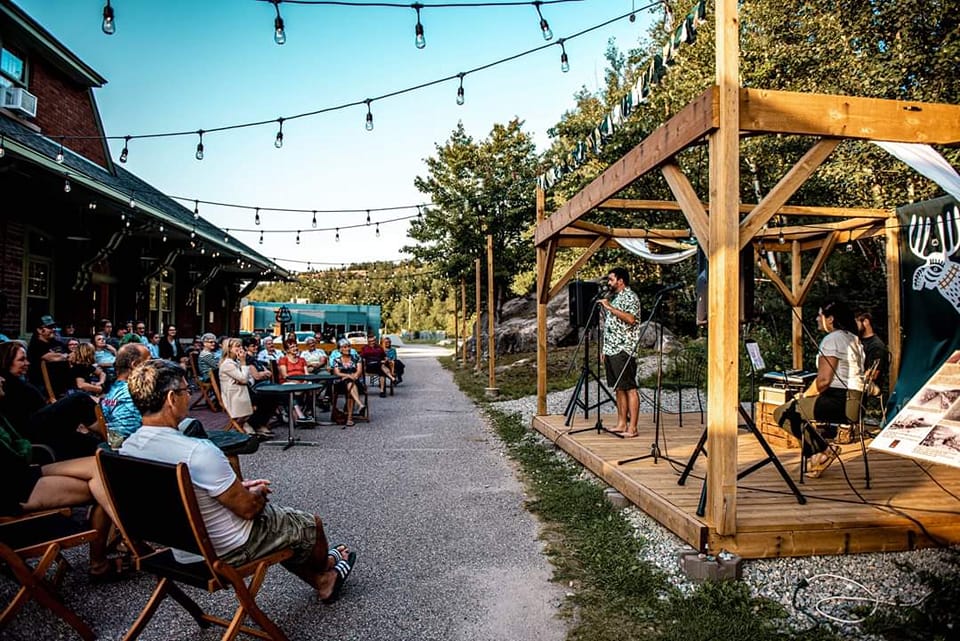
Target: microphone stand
column 655, row 452
column 583, row 383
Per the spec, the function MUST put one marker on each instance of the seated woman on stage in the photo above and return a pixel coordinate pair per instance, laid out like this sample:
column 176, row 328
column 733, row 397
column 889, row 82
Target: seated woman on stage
column 835, row 394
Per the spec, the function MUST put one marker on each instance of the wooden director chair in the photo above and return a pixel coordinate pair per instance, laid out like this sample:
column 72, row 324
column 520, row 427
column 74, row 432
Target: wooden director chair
column 44, row 536
column 206, row 394
column 171, row 519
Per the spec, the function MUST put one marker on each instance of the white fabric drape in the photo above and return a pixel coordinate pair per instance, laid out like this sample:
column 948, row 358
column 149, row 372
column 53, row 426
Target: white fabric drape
column 925, row 160
column 639, row 247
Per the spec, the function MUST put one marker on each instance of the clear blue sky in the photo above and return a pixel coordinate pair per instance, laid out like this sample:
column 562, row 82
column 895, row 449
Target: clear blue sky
column 186, row 65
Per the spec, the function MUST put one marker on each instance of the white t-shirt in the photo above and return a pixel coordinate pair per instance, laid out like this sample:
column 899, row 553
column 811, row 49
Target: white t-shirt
column 846, row 348
column 211, row 475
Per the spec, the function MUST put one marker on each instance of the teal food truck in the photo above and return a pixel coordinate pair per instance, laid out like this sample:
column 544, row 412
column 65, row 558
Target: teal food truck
column 331, row 320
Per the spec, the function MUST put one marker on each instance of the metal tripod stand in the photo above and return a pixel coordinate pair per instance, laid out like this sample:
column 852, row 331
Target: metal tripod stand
column 583, row 385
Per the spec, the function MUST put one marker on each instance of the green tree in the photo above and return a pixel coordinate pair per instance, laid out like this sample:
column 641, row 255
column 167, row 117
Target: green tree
column 479, row 188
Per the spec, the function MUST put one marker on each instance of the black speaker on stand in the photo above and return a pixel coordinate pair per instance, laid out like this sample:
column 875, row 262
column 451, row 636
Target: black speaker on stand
column 583, row 296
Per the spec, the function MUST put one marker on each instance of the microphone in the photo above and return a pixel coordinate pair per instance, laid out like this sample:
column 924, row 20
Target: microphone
column 670, row 288
column 603, row 292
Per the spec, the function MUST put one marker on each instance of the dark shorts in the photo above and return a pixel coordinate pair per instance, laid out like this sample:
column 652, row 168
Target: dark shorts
column 621, row 362
column 274, row 529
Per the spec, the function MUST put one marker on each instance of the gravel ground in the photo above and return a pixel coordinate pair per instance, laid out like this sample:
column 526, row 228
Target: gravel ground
column 426, row 496
column 881, row 576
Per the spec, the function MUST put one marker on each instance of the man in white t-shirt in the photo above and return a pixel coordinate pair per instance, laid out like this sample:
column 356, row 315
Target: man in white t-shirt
column 241, row 522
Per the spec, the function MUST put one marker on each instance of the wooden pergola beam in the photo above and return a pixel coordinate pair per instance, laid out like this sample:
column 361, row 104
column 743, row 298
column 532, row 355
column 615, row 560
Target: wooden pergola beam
column 787, row 112
column 785, row 187
column 745, row 208
column 694, row 121
column 689, row 203
column 577, row 264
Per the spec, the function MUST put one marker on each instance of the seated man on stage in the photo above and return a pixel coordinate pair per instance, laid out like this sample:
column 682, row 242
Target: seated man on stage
column 242, row 524
column 835, row 394
column 620, row 338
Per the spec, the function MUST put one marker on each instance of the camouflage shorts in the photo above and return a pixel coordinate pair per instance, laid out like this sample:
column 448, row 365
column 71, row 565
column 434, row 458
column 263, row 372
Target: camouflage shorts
column 276, row 528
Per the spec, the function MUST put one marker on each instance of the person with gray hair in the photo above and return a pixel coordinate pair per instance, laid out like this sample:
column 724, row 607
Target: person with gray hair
column 209, row 358
column 241, row 523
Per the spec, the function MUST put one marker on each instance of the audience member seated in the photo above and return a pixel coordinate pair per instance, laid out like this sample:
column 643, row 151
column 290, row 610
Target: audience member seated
column 349, row 372
column 120, row 413
column 373, row 362
column 269, row 351
column 171, row 349
column 104, row 353
column 153, row 344
column 242, row 524
column 343, row 344
column 291, row 364
column 105, row 327
column 209, row 359
column 85, row 375
column 393, row 363
column 315, row 357
column 71, row 344
column 30, row 488
column 43, row 347
column 233, row 379
column 259, row 373
column 64, row 426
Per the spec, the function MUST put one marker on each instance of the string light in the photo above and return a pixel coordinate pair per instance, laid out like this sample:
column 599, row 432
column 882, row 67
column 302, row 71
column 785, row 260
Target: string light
column 66, row 183
column 256, row 217
column 279, row 33
column 109, row 25
column 368, row 216
column 193, row 232
column 564, row 61
column 369, row 124
column 226, row 235
column 92, row 205
column 59, row 157
column 298, row 236
column 460, row 99
column 133, row 204
column 420, row 41
column 419, row 213
column 378, row 230
column 196, row 209
column 544, row 25
column 199, row 154
column 314, row 221
column 261, row 236
column 337, row 237
column 278, row 142
column 125, row 151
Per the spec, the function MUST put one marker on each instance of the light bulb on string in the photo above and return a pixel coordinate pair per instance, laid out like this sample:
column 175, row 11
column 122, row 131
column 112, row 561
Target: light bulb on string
column 193, row 232
column 369, row 123
column 780, row 238
column 125, row 151
column 337, row 237
column 368, row 216
column 314, row 221
column 256, row 217
column 133, row 203
column 279, row 33
column 226, row 235
column 161, row 228
column 109, row 25
column 92, row 205
column 460, row 98
column 199, row 154
column 564, row 60
column 59, row 157
column 544, row 25
column 278, row 142
column 66, row 184
column 849, row 248
column 419, row 213
column 298, row 236
column 261, row 236
column 419, row 40
column 164, row 238
column 196, row 209
column 203, row 250
column 378, row 230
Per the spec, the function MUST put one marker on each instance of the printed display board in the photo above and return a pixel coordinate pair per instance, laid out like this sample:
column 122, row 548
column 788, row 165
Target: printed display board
column 928, row 427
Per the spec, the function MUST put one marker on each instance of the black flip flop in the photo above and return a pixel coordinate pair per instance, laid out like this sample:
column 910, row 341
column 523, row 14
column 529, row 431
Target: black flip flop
column 343, row 568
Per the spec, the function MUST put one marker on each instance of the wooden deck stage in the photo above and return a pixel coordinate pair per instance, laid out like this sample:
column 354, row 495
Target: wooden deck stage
column 771, row 523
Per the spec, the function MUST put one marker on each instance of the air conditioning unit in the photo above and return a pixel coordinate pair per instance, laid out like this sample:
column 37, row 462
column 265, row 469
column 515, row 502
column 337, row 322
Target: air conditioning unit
column 19, row 100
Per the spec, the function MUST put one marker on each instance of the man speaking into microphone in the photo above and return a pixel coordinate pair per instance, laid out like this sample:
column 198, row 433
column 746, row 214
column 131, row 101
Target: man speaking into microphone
column 620, row 337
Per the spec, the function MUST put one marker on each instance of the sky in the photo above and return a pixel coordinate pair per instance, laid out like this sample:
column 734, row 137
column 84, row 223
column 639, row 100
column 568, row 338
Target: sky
column 182, row 65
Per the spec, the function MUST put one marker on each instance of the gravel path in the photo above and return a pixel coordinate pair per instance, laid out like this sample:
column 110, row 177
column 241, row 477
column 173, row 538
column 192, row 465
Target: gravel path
column 883, row 576
column 447, row 551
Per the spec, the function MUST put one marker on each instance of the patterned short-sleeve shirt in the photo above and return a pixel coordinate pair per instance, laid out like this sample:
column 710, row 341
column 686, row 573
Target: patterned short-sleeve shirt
column 618, row 336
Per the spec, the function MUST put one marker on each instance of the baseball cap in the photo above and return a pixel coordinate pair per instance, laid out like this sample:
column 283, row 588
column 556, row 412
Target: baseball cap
column 47, row 321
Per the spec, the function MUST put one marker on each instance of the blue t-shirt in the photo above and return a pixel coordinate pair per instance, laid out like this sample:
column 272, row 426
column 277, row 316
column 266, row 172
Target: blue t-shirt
column 119, row 411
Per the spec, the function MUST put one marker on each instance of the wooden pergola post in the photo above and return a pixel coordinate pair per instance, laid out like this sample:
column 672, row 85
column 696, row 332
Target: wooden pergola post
column 543, row 286
column 796, row 280
column 491, row 391
column 724, row 282
column 476, row 325
column 463, row 309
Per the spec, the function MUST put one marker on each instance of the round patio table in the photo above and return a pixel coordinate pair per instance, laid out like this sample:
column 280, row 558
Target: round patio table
column 289, row 389
column 326, row 379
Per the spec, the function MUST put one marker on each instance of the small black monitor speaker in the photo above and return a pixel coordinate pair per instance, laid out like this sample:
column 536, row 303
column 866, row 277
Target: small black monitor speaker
column 747, row 312
column 583, row 294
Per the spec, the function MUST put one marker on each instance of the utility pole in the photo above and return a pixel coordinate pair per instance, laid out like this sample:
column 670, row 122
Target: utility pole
column 476, row 326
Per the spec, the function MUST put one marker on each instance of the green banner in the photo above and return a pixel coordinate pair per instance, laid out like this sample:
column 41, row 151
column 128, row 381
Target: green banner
column 929, row 292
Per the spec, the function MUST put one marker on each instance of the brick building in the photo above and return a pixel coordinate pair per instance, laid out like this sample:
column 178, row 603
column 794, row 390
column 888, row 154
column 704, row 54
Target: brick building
column 81, row 237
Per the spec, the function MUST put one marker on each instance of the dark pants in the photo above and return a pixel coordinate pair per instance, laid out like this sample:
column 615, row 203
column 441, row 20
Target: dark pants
column 264, row 407
column 834, row 405
column 56, row 425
